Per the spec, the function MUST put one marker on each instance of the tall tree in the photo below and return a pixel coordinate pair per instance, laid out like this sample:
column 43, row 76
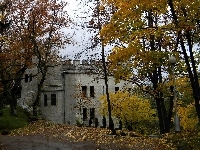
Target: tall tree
column 12, row 66
column 101, row 17
column 37, row 31
column 186, row 19
column 42, row 23
column 146, row 34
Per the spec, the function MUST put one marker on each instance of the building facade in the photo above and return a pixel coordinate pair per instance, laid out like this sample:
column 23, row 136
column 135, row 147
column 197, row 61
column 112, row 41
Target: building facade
column 70, row 93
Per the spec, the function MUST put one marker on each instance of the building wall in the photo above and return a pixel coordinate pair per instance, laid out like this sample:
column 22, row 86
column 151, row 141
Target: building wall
column 66, row 82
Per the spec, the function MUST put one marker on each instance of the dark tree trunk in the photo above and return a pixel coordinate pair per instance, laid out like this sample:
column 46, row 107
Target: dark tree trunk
column 160, row 116
column 110, row 121
column 111, row 124
column 191, row 67
column 165, row 116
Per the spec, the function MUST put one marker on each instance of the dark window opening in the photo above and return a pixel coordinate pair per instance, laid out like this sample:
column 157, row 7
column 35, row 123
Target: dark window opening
column 53, row 99
column 92, row 113
column 116, row 89
column 26, row 77
column 84, row 91
column 91, row 91
column 45, row 100
column 84, row 114
column 30, row 78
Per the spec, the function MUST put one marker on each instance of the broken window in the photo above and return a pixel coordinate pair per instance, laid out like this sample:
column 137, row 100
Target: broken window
column 84, row 114
column 84, row 91
column 53, row 99
column 92, row 113
column 91, row 91
column 26, row 77
column 45, row 100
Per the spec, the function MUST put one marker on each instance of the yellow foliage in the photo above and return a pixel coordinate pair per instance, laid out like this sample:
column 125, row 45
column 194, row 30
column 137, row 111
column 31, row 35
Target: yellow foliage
column 130, row 26
column 127, row 107
column 188, row 119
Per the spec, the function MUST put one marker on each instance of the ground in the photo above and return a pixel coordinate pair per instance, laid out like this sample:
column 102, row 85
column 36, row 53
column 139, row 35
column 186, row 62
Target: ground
column 40, row 142
column 46, row 136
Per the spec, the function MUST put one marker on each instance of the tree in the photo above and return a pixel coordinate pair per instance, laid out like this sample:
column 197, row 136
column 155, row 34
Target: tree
column 146, row 34
column 187, row 35
column 41, row 25
column 130, row 109
column 100, row 16
column 12, row 63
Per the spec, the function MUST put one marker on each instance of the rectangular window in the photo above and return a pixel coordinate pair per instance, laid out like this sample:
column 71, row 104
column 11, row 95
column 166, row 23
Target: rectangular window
column 84, row 91
column 116, row 89
column 92, row 113
column 84, row 114
column 45, row 100
column 91, row 91
column 53, row 99
column 30, row 77
column 26, row 77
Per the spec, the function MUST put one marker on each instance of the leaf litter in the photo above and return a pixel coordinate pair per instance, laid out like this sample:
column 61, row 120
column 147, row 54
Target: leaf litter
column 98, row 136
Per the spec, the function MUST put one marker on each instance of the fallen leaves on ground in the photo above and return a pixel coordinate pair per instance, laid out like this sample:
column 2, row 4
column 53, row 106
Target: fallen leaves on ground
column 99, row 136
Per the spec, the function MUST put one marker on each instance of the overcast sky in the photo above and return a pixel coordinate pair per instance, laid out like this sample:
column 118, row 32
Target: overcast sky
column 81, row 36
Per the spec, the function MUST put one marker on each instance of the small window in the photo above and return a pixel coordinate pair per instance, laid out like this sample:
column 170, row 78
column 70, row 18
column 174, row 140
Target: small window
column 26, row 77
column 116, row 89
column 92, row 113
column 45, row 100
column 30, row 78
column 91, row 91
column 53, row 99
column 84, row 114
column 84, row 91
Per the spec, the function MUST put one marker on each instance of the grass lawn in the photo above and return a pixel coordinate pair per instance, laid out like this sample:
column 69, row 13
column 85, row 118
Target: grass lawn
column 9, row 122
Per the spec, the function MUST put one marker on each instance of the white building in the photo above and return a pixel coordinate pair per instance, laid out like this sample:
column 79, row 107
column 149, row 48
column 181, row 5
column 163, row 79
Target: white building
column 70, row 93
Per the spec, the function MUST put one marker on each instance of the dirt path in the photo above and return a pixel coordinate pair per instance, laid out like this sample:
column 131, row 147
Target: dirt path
column 39, row 142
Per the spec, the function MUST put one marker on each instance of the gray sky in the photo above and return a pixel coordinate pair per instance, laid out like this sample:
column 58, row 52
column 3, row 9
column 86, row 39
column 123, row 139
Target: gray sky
column 81, row 36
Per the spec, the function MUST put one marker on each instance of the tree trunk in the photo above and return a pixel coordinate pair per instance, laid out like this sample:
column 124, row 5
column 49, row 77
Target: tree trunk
column 192, row 71
column 165, row 117
column 38, row 97
column 160, row 116
column 111, row 124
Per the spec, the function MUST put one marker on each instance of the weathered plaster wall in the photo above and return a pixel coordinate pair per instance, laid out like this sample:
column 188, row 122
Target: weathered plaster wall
column 65, row 81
